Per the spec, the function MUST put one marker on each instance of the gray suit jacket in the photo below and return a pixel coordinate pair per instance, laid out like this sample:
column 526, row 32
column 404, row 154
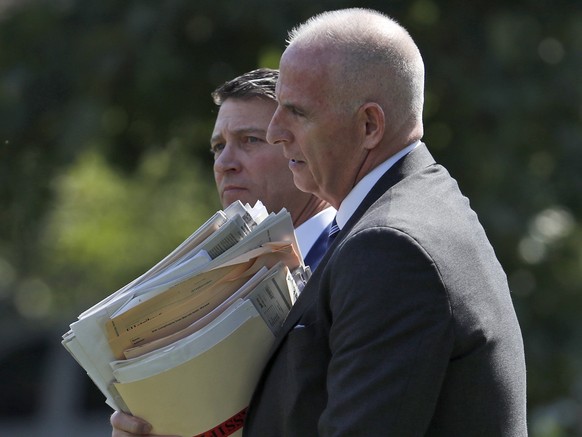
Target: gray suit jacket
column 406, row 328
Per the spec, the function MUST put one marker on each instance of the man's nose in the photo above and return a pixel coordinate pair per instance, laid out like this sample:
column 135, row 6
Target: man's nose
column 227, row 159
column 276, row 132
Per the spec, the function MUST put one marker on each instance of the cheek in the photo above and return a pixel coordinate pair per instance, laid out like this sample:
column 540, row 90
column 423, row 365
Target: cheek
column 259, row 177
column 277, row 180
column 316, row 142
column 334, row 147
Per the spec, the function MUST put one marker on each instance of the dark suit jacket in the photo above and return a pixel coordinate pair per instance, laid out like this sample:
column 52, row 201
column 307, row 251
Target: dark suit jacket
column 406, row 328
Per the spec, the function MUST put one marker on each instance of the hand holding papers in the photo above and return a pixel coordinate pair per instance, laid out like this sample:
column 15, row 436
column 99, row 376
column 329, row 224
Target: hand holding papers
column 183, row 345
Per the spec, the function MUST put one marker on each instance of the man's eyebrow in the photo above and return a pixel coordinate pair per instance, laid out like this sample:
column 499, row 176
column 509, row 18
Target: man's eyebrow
column 215, row 139
column 250, row 129
column 246, row 130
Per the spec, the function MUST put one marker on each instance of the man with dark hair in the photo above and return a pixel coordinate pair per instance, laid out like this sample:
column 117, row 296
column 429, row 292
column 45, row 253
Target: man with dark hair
column 248, row 169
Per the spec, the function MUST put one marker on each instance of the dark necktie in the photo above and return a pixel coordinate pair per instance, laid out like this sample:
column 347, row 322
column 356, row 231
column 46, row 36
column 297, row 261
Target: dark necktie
column 321, row 244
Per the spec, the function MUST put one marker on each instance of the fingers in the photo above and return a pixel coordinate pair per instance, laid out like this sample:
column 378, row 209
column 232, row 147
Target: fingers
column 125, row 425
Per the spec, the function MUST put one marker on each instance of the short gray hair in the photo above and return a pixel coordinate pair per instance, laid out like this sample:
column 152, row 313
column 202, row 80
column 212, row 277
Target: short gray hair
column 376, row 55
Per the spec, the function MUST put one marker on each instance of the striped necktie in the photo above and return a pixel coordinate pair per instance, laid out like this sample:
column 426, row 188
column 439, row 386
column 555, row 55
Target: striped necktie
column 333, row 231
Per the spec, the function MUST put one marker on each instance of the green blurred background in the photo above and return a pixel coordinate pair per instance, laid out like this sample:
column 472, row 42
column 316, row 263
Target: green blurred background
column 105, row 115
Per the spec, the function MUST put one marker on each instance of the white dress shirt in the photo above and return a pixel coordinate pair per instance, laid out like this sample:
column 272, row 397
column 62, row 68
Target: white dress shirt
column 308, row 231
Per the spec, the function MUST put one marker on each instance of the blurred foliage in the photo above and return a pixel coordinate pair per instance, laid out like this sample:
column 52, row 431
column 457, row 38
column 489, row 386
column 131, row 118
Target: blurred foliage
column 105, row 115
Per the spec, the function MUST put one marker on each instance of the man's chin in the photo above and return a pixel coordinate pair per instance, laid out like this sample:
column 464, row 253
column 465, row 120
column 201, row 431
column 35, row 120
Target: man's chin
column 302, row 184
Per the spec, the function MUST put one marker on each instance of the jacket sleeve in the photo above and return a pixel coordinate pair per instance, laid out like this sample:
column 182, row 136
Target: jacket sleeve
column 390, row 336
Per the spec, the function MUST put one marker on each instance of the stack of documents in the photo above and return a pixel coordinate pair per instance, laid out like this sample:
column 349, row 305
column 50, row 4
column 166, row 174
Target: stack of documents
column 183, row 345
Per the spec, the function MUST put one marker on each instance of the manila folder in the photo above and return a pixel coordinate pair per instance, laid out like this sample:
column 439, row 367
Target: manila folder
column 209, row 392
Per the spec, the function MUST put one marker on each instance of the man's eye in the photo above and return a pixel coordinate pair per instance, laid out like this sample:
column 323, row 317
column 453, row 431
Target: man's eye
column 215, row 149
column 296, row 112
column 252, row 140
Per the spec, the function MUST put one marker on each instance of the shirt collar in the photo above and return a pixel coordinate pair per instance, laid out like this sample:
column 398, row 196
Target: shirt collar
column 363, row 187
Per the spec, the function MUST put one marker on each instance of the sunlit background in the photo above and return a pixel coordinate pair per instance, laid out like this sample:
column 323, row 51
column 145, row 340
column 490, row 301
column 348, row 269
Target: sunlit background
column 105, row 115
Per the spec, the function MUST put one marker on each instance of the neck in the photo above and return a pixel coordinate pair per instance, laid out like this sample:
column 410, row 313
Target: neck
column 313, row 206
column 389, row 147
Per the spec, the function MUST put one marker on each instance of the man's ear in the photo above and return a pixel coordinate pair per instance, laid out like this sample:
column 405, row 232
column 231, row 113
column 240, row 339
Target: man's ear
column 373, row 123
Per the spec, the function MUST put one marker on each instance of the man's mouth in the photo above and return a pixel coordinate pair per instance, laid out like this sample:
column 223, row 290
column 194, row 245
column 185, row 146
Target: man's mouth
column 296, row 164
column 232, row 189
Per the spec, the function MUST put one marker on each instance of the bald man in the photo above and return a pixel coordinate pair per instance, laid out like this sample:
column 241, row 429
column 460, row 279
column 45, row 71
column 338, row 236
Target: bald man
column 407, row 327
